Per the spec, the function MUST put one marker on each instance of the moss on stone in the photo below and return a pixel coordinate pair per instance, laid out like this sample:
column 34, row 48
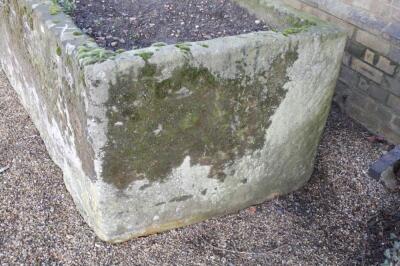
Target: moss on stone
column 145, row 55
column 155, row 124
column 57, row 6
column 159, row 44
column 90, row 54
column 183, row 47
column 54, row 9
column 68, row 6
column 297, row 25
column 58, row 51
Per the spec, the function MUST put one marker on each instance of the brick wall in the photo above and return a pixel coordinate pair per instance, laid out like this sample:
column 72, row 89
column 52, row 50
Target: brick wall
column 369, row 85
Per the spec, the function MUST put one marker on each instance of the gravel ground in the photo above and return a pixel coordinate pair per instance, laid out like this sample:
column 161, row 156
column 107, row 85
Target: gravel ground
column 323, row 223
column 117, row 24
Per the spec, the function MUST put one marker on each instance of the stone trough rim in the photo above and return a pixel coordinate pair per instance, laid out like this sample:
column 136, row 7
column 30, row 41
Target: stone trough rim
column 80, row 39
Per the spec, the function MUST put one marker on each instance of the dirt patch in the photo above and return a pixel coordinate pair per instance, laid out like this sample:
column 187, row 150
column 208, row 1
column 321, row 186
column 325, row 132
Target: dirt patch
column 378, row 237
column 128, row 24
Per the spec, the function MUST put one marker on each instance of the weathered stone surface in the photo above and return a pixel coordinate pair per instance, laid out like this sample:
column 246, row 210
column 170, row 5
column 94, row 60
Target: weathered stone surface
column 162, row 137
column 367, row 70
column 349, row 76
column 386, row 65
column 372, row 41
column 378, row 93
column 372, row 58
column 369, row 57
column 348, row 11
column 394, row 102
column 392, row 84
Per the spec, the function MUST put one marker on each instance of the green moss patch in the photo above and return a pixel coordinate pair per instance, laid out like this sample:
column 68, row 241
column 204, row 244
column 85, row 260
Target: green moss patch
column 145, row 55
column 297, row 25
column 58, row 51
column 154, row 125
column 159, row 44
column 54, row 9
column 90, row 54
column 183, row 47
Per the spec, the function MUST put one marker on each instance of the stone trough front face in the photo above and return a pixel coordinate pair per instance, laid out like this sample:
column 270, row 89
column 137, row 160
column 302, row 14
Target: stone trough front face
column 165, row 136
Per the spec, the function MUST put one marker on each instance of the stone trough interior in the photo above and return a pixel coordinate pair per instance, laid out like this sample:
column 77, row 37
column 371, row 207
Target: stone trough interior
column 137, row 24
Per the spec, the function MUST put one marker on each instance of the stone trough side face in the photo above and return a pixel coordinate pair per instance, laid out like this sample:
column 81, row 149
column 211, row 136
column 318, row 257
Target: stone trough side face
column 37, row 53
column 166, row 136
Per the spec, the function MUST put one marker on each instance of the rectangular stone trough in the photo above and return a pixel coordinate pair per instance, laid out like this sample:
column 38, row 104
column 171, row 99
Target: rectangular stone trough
column 166, row 136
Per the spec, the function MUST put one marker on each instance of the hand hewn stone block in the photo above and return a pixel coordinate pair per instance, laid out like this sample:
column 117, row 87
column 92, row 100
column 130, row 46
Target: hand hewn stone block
column 162, row 137
column 360, row 101
column 392, row 84
column 394, row 102
column 369, row 57
column 346, row 59
column 374, row 42
column 366, row 70
column 391, row 133
column 392, row 31
column 371, row 121
column 394, row 53
column 364, row 84
column 356, row 49
column 378, row 93
column 386, row 65
column 384, row 113
column 396, row 124
column 349, row 76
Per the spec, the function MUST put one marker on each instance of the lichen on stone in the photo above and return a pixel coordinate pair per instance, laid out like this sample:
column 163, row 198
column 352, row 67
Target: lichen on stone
column 155, row 124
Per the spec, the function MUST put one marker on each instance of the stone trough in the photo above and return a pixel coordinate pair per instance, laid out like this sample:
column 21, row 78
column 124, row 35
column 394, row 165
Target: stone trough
column 170, row 135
